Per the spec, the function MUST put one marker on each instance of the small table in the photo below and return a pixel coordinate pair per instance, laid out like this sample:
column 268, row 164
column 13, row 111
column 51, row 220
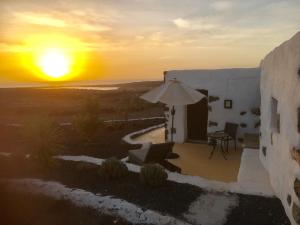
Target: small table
column 218, row 136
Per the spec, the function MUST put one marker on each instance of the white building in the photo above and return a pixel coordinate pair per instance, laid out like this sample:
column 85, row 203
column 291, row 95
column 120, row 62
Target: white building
column 280, row 118
column 275, row 89
column 238, row 87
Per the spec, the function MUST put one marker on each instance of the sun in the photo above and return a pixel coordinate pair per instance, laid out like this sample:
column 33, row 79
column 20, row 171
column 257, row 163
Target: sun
column 54, row 63
column 54, row 57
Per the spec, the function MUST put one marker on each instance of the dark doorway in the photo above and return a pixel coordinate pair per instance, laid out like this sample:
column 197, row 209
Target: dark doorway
column 197, row 118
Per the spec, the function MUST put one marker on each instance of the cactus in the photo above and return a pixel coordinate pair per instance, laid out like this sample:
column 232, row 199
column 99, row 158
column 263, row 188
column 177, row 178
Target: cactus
column 153, row 175
column 113, row 169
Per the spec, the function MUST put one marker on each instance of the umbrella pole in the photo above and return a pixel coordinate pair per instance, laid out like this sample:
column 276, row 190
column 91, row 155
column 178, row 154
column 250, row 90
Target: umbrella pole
column 172, row 127
column 171, row 154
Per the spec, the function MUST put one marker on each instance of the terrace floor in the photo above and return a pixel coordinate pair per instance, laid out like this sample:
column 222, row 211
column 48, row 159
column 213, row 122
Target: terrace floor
column 194, row 159
column 243, row 166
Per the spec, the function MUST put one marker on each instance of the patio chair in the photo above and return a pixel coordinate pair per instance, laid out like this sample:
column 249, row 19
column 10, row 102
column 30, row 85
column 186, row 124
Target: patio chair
column 231, row 132
column 214, row 143
column 150, row 153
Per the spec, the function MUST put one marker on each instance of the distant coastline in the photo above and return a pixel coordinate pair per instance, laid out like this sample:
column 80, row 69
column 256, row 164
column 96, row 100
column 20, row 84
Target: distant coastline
column 69, row 84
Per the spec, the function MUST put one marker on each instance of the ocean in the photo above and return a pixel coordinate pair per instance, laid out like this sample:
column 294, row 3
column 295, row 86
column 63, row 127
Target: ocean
column 88, row 84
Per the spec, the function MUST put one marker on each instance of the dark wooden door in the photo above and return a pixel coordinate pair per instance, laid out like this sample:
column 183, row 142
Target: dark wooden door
column 197, row 116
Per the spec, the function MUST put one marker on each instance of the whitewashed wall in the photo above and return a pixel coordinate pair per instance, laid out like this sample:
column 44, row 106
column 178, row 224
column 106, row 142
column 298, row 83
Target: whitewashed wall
column 240, row 85
column 279, row 79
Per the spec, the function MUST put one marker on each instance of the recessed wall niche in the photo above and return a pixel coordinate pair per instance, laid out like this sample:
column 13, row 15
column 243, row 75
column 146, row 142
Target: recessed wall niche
column 298, row 111
column 297, row 187
column 264, row 151
column 275, row 116
column 289, row 199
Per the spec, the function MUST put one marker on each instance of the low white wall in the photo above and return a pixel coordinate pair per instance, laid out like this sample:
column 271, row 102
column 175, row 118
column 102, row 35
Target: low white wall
column 239, row 85
column 279, row 79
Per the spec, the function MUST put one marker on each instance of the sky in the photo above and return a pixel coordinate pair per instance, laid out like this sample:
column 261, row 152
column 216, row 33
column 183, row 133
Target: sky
column 139, row 39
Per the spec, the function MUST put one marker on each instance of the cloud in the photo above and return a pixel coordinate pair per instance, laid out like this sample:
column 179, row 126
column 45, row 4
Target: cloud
column 200, row 24
column 222, row 5
column 136, row 24
column 181, row 23
column 76, row 20
column 39, row 19
column 156, row 37
column 93, row 27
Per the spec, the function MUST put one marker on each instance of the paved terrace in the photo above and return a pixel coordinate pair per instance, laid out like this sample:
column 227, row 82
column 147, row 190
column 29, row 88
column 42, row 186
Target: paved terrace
column 242, row 167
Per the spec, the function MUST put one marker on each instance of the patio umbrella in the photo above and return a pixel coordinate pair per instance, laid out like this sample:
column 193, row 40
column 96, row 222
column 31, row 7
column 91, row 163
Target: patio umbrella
column 173, row 93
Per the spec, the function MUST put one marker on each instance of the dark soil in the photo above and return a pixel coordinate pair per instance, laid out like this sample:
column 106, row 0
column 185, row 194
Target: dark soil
column 106, row 143
column 172, row 198
column 108, row 140
column 29, row 209
column 255, row 210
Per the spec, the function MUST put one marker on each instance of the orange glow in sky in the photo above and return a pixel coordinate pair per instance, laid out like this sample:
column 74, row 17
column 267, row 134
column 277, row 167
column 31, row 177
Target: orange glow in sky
column 53, row 57
column 93, row 40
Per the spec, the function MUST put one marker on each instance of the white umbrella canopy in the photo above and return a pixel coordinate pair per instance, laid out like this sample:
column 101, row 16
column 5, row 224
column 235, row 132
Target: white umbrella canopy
column 173, row 93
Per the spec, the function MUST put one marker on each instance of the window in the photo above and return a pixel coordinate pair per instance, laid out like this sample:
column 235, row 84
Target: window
column 228, row 104
column 275, row 117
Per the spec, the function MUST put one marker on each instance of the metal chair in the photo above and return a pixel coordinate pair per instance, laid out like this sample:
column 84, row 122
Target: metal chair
column 214, row 143
column 231, row 131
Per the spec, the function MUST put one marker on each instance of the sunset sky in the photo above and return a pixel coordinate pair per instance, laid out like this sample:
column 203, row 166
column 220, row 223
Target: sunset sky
column 139, row 39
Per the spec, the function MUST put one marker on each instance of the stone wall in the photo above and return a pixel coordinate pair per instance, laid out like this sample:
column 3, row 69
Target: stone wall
column 280, row 136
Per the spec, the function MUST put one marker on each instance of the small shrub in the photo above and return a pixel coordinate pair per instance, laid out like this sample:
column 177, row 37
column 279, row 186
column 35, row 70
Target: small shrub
column 43, row 137
column 86, row 125
column 153, row 175
column 113, row 169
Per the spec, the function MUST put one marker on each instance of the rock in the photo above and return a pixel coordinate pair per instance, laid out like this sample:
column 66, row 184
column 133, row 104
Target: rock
column 297, row 187
column 257, row 124
column 213, row 98
column 255, row 111
column 296, row 213
column 243, row 125
column 295, row 153
column 212, row 124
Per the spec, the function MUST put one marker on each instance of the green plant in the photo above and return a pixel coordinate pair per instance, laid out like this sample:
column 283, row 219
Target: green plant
column 153, row 175
column 86, row 126
column 113, row 169
column 43, row 137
